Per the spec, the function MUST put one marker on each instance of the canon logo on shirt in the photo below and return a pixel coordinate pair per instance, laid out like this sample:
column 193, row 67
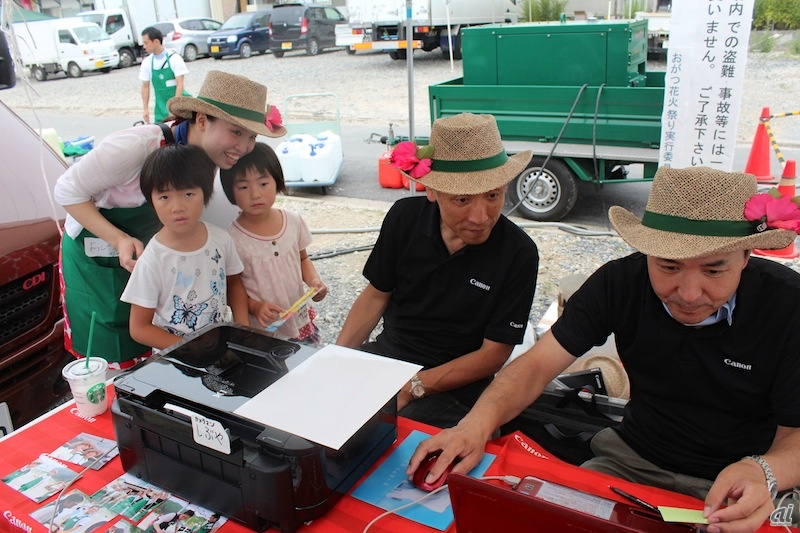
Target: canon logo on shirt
column 479, row 284
column 737, row 364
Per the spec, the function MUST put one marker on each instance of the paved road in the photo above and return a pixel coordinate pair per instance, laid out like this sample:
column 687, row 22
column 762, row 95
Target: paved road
column 358, row 177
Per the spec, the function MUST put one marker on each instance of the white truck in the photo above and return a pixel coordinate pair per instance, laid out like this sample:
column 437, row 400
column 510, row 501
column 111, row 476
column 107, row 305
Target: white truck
column 657, row 27
column 124, row 20
column 382, row 24
column 657, row 31
column 67, row 45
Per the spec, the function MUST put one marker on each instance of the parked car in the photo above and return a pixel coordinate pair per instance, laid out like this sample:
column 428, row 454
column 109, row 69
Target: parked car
column 242, row 34
column 309, row 27
column 188, row 36
column 32, row 351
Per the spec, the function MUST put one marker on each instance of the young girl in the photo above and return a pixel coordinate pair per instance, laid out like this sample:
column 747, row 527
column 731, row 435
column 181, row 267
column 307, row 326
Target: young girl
column 272, row 244
column 189, row 272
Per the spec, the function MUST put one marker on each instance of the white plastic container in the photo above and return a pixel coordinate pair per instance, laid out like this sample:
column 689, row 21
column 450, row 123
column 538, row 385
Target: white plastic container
column 290, row 152
column 321, row 161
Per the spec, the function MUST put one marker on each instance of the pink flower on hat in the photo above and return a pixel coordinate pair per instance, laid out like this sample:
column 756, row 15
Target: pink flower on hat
column 412, row 160
column 773, row 210
column 273, row 119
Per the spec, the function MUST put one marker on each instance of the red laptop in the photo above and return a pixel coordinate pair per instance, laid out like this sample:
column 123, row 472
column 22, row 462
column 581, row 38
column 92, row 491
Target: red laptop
column 537, row 506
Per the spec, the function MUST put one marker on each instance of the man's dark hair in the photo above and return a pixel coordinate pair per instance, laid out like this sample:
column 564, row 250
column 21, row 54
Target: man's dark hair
column 263, row 159
column 153, row 33
column 180, row 166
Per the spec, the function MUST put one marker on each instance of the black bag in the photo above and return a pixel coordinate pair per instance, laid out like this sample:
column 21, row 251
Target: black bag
column 564, row 421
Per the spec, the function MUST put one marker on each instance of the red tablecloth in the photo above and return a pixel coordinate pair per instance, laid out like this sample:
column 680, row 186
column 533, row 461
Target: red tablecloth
column 516, row 455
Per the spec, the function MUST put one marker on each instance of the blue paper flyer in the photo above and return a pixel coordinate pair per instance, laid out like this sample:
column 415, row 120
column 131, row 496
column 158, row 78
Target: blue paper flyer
column 388, row 488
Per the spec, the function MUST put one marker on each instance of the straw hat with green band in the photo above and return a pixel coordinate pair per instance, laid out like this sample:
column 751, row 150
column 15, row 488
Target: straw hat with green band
column 229, row 97
column 696, row 212
column 469, row 156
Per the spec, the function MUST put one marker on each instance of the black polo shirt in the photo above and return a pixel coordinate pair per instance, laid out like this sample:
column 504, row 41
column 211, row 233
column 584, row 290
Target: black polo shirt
column 701, row 397
column 443, row 306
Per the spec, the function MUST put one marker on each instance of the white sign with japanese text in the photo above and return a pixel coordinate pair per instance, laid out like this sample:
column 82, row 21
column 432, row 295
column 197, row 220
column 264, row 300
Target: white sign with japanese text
column 704, row 82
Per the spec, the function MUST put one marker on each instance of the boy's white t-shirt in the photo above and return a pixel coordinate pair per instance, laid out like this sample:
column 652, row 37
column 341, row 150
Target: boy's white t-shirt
column 188, row 290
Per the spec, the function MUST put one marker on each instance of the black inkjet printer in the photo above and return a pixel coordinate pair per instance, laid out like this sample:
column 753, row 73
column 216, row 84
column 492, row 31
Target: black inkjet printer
column 270, row 477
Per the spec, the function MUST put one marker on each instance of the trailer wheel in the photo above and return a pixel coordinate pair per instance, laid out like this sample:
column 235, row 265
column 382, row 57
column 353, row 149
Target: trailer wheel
column 398, row 54
column 39, row 73
column 547, row 194
column 126, row 58
column 74, row 71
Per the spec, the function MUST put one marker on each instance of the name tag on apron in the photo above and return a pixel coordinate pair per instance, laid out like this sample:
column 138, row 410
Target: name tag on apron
column 170, row 83
column 94, row 247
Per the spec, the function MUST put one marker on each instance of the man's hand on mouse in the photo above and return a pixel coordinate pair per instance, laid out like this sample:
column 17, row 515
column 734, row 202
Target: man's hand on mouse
column 454, row 443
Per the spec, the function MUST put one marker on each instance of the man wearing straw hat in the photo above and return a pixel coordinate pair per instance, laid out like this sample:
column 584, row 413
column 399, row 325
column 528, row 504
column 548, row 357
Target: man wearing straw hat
column 452, row 278
column 710, row 338
column 108, row 221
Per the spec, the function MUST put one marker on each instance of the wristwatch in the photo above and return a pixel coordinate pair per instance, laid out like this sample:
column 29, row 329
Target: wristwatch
column 772, row 483
column 417, row 388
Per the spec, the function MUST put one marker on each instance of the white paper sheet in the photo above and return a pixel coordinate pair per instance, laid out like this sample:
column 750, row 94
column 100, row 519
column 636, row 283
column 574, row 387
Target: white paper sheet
column 330, row 396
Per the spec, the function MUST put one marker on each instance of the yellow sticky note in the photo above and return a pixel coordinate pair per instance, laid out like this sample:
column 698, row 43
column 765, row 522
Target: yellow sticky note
column 679, row 514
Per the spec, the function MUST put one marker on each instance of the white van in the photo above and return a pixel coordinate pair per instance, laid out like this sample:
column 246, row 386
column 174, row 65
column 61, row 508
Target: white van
column 69, row 45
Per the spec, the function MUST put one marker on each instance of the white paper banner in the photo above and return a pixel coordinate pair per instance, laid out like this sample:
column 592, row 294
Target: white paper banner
column 704, row 82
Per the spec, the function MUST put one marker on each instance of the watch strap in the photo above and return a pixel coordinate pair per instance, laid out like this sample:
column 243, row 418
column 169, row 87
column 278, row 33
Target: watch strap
column 772, row 483
column 417, row 387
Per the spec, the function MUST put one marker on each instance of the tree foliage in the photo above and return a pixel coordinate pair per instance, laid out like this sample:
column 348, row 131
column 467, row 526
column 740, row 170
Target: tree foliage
column 542, row 10
column 776, row 15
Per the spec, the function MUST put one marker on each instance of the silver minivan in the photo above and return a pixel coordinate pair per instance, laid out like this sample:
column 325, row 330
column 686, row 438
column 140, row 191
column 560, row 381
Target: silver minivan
column 188, row 36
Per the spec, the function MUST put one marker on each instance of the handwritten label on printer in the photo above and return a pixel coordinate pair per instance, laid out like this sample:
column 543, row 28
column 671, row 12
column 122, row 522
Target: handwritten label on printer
column 205, row 431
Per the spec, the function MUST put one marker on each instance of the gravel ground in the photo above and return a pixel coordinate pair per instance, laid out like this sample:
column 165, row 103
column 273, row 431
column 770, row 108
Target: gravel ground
column 372, row 89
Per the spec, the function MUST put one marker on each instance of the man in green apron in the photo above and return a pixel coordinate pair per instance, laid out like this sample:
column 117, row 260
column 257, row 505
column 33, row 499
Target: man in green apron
column 165, row 70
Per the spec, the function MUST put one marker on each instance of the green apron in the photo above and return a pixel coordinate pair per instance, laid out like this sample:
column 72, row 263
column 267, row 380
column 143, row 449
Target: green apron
column 96, row 283
column 163, row 93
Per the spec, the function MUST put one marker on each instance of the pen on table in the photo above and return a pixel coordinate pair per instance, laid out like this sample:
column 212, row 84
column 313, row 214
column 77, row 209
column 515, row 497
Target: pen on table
column 638, row 501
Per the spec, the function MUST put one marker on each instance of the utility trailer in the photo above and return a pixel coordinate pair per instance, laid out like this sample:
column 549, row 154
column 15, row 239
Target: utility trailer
column 576, row 93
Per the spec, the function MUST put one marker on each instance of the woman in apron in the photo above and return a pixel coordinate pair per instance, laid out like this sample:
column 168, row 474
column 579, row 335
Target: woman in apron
column 108, row 221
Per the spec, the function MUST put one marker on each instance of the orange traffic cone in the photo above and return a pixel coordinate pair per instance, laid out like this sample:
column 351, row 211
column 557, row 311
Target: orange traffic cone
column 758, row 160
column 787, row 189
column 787, row 186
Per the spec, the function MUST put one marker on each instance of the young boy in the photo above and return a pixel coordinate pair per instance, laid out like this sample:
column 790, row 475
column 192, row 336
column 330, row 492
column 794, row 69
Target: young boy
column 189, row 274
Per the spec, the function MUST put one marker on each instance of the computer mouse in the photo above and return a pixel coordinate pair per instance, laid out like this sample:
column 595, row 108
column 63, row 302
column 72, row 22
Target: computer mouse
column 425, row 467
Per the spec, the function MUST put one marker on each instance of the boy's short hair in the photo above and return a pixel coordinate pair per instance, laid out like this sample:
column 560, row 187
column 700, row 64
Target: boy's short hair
column 153, row 33
column 180, row 166
column 262, row 158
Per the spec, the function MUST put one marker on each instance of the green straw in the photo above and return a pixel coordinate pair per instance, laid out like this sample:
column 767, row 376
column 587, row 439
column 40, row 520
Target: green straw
column 89, row 345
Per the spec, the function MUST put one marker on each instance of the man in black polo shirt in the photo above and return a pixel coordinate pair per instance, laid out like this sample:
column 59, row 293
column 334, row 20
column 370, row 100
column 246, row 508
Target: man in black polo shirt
column 452, row 278
column 709, row 336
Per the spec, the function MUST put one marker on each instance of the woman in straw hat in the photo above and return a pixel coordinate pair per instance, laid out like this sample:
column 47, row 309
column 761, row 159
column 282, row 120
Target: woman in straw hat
column 452, row 278
column 109, row 222
column 709, row 336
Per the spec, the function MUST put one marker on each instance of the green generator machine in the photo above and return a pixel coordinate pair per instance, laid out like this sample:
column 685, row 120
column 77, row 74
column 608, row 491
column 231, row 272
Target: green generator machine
column 576, row 93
